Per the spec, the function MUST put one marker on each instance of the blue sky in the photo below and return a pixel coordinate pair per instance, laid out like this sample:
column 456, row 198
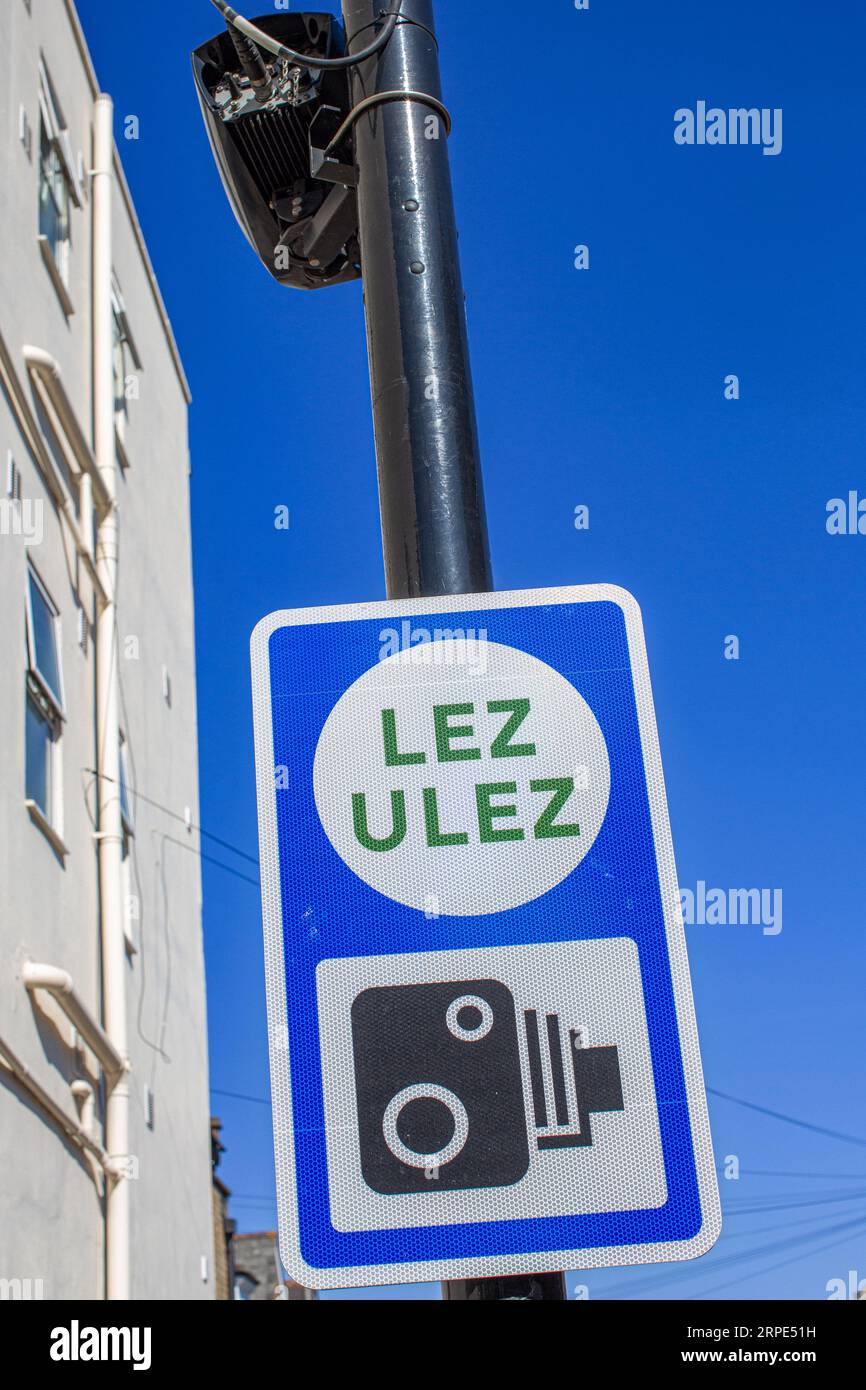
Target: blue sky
column 603, row 388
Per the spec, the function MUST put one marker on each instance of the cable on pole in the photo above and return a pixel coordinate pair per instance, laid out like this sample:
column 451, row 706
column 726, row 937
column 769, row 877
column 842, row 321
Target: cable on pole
column 379, row 99
column 307, row 60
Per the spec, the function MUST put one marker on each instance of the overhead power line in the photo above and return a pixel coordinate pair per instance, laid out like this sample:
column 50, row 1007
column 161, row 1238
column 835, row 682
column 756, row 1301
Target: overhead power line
column 789, row 1119
column 722, row 1095
column 793, row 1247
column 209, row 859
column 166, row 810
column 774, row 1173
column 847, row 1229
column 236, row 1095
column 746, row 1206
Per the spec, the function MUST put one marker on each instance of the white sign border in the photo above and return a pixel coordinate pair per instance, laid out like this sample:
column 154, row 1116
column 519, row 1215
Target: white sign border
column 275, row 976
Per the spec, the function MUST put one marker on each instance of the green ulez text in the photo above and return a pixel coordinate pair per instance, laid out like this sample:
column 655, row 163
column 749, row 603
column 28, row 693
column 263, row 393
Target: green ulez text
column 456, row 742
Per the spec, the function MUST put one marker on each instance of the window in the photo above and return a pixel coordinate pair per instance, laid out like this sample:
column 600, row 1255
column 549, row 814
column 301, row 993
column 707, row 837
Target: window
column 59, row 185
column 25, row 132
column 119, row 360
column 41, row 735
column 126, row 815
column 245, row 1286
column 131, row 912
column 13, row 478
column 43, row 648
column 53, row 202
column 44, row 706
column 125, row 355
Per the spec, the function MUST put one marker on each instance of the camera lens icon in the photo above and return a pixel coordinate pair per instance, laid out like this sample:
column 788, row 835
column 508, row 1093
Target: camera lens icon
column 416, row 1098
column 469, row 1019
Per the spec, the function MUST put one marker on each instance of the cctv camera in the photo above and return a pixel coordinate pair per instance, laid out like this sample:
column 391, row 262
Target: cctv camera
column 271, row 125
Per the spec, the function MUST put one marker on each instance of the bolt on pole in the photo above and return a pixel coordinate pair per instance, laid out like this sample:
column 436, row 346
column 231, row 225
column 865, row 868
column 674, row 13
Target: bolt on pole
column 434, row 527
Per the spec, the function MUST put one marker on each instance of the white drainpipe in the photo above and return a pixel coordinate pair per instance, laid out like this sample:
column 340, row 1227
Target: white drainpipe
column 59, row 984
column 108, row 709
column 79, row 1134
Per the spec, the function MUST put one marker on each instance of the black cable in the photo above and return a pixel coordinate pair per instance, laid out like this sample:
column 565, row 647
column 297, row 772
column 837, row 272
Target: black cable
column 816, row 1221
column 157, row 1049
column 206, row 834
column 773, row 1205
column 789, row 1119
column 377, row 99
column 209, row 859
column 236, row 1095
column 680, row 1274
column 253, row 64
column 776, row 1173
column 305, row 60
column 846, row 1229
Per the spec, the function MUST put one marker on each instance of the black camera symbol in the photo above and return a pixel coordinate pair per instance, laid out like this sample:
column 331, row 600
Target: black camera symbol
column 439, row 1082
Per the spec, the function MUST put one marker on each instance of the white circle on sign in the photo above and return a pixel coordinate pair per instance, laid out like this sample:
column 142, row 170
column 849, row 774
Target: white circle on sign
column 464, row 771
column 481, row 1029
column 442, row 1156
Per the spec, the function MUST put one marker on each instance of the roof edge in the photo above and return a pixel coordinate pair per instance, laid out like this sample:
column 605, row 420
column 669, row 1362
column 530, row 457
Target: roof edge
column 86, row 59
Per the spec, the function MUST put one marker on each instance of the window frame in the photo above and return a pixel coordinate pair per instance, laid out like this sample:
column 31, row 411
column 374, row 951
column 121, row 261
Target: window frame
column 43, row 701
column 57, row 700
column 124, row 343
column 131, row 925
column 127, row 814
column 51, row 812
column 244, row 1286
column 118, row 361
column 49, row 177
column 55, row 144
column 58, row 132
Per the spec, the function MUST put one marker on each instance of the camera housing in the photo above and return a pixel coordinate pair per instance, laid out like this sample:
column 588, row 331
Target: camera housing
column 440, row 1090
column 293, row 196
column 440, row 1096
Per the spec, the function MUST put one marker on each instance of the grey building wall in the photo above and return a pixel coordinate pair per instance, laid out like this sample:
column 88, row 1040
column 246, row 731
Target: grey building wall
column 51, row 1208
column 258, row 1273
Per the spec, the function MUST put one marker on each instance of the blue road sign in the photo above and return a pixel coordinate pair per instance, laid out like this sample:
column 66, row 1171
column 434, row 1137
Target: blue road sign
column 484, row 1057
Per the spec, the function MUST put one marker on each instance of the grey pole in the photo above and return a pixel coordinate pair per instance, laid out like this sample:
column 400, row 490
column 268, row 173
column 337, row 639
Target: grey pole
column 434, row 528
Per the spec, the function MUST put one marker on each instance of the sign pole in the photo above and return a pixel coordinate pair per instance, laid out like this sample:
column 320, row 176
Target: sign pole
column 434, row 528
